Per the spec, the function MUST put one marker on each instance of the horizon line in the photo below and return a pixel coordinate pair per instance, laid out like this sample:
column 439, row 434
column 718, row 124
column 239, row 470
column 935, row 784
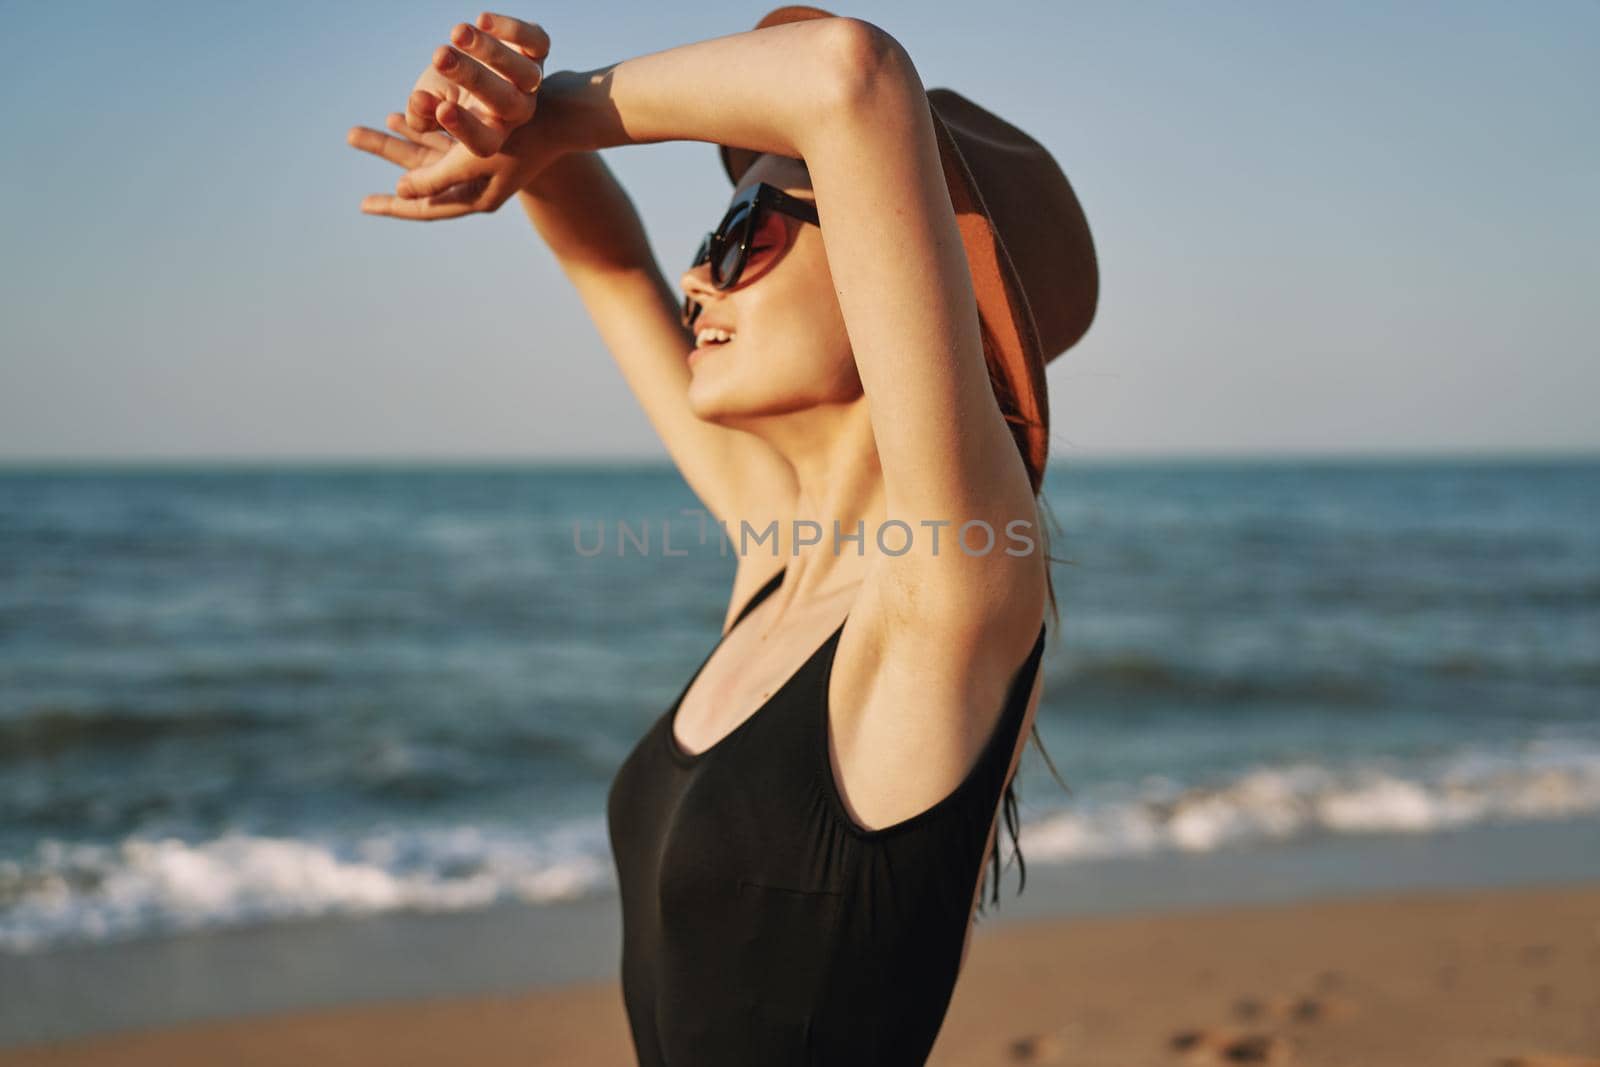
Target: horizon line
column 625, row 462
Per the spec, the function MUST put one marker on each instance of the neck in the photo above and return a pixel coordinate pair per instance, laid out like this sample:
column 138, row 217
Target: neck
column 831, row 450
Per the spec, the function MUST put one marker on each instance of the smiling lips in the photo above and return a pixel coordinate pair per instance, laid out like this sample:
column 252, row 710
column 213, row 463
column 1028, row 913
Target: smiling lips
column 710, row 337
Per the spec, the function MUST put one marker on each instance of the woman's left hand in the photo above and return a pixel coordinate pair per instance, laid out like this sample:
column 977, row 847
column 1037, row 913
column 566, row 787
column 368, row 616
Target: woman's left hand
column 458, row 182
column 412, row 150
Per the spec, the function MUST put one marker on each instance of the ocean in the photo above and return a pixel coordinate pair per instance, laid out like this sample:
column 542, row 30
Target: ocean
column 247, row 696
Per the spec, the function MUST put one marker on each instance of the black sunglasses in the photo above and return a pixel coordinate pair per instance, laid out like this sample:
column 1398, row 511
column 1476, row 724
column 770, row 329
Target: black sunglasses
column 728, row 246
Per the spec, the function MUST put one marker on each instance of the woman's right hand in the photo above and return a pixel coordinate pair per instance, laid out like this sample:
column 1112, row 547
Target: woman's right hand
column 484, row 87
column 476, row 93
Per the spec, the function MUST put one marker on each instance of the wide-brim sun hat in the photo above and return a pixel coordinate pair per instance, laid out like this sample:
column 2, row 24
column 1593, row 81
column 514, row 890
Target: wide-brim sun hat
column 1027, row 242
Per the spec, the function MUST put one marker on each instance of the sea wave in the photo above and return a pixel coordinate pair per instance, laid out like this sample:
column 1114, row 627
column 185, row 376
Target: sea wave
column 47, row 732
column 1113, row 677
column 1547, row 780
column 73, row 893
column 66, row 892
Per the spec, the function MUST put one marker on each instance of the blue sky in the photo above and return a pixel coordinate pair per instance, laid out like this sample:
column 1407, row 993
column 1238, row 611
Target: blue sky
column 1323, row 228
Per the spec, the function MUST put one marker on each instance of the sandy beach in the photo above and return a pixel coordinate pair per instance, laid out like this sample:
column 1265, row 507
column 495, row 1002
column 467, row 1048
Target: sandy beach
column 1494, row 977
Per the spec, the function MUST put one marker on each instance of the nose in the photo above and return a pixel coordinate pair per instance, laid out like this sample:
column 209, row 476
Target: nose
column 697, row 290
column 696, row 282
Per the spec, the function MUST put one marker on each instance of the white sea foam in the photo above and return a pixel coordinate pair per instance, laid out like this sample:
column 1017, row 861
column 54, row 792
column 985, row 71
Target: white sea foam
column 71, row 893
column 1545, row 781
column 77, row 892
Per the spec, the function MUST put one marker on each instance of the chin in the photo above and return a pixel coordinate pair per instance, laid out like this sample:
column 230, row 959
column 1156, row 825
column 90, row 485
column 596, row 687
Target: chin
column 724, row 399
column 734, row 388
column 716, row 406
column 712, row 397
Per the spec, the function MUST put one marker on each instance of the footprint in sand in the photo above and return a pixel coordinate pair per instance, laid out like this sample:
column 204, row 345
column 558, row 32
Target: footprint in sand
column 1036, row 1048
column 1227, row 1046
column 1537, row 955
column 1298, row 1009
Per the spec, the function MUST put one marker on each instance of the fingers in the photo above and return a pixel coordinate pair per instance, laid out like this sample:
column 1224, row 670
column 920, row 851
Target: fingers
column 463, row 199
column 527, row 36
column 523, row 72
column 501, row 99
column 439, row 142
column 482, row 136
column 420, row 210
column 401, row 153
column 454, row 167
column 420, row 108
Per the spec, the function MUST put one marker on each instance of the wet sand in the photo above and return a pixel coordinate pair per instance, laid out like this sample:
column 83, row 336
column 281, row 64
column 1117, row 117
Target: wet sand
column 1509, row 978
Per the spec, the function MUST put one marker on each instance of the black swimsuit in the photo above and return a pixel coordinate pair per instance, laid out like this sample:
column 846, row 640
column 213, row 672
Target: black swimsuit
column 761, row 924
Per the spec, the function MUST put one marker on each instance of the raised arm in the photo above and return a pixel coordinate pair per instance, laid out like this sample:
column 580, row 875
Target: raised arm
column 586, row 218
column 481, row 90
column 841, row 94
column 844, row 96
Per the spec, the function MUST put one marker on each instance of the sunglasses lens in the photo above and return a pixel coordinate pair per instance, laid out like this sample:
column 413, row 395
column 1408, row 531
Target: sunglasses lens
column 732, row 237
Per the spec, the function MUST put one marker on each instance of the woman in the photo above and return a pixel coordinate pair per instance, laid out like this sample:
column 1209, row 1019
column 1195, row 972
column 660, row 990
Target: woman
column 800, row 838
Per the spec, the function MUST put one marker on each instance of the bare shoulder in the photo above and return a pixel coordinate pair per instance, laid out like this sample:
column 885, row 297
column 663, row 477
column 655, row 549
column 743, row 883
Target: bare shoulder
column 913, row 699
